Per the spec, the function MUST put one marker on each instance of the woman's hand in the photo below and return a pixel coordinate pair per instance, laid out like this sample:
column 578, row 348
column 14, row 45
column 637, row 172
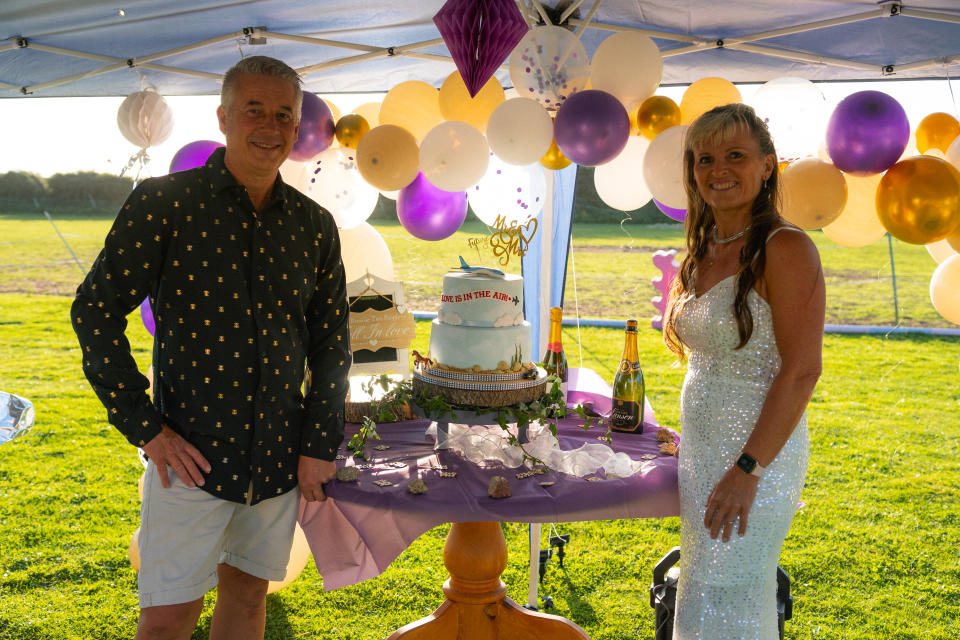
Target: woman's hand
column 730, row 499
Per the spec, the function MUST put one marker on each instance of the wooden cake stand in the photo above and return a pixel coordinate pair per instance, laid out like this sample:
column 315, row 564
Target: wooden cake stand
column 476, row 607
column 475, row 554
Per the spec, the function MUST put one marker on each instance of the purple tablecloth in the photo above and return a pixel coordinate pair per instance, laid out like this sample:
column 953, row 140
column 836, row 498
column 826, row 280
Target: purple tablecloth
column 363, row 527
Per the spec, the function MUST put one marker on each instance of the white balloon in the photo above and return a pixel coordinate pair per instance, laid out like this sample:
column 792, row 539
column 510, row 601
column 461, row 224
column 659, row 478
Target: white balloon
column 940, row 250
column 454, row 155
column 364, row 250
column 619, row 183
column 953, row 153
column 796, row 113
column 627, row 65
column 514, row 193
column 663, row 167
column 549, row 65
column 945, row 289
column 333, row 182
column 294, row 174
column 520, row 131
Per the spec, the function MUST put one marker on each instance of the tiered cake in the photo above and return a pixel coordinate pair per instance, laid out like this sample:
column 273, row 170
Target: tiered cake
column 480, row 345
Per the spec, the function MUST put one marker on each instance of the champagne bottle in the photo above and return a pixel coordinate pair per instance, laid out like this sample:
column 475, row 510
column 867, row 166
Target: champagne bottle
column 554, row 360
column 628, row 387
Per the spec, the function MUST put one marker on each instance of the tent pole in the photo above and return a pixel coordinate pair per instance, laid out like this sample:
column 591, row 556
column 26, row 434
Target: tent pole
column 893, row 278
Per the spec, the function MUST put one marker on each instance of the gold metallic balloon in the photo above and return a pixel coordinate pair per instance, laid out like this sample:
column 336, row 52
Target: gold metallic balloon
column 350, row 128
column 655, row 114
column 918, row 199
column 937, row 131
column 554, row 158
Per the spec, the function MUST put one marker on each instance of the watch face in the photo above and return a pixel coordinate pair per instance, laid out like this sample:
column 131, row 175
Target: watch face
column 746, row 463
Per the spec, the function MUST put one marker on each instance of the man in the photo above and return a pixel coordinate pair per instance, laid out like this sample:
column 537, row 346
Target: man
column 246, row 284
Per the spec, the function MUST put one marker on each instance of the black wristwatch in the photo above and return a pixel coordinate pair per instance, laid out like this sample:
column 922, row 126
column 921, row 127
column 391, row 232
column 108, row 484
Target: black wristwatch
column 749, row 465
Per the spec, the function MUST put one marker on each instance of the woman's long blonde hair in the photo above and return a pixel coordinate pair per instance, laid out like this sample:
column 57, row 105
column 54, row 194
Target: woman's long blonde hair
column 718, row 124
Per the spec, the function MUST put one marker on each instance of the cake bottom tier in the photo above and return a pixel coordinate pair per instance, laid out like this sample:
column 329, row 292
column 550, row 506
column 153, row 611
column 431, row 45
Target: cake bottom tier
column 465, row 347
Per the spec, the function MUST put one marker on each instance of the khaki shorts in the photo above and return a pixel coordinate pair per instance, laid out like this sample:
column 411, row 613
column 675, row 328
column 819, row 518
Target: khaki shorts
column 186, row 532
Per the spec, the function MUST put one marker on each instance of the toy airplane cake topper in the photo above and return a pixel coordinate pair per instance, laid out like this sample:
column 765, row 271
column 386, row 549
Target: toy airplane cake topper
column 483, row 271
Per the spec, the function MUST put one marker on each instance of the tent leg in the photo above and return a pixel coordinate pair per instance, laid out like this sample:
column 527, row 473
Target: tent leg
column 534, row 578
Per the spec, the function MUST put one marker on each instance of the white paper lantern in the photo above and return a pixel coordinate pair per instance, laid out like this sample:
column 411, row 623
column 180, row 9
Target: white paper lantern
column 145, row 118
column 619, row 184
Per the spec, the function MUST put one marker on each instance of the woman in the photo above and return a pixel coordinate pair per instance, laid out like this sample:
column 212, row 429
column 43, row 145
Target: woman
column 748, row 306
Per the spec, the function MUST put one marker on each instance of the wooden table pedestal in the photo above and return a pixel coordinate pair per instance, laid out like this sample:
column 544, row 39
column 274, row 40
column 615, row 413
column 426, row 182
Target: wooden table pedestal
column 476, row 607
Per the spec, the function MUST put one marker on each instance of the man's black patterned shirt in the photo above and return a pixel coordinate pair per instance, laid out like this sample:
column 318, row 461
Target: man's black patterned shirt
column 241, row 300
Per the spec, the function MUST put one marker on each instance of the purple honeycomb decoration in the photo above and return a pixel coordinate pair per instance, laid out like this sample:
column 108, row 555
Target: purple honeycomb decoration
column 480, row 35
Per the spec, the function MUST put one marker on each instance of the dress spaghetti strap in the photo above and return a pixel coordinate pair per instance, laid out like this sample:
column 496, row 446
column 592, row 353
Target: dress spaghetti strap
column 781, row 228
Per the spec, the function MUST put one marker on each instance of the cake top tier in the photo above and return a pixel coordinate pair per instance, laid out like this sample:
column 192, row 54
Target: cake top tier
column 481, row 300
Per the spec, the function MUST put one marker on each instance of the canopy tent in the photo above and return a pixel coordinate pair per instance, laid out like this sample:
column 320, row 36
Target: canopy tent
column 182, row 47
column 96, row 47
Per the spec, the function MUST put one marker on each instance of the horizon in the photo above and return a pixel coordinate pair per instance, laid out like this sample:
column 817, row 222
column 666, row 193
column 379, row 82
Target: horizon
column 46, row 136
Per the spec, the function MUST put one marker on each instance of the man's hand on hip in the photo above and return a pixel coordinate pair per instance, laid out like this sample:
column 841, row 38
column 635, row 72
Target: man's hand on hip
column 170, row 448
column 312, row 473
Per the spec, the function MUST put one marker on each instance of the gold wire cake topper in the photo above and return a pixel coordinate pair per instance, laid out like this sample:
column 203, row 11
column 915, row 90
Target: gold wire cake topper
column 511, row 239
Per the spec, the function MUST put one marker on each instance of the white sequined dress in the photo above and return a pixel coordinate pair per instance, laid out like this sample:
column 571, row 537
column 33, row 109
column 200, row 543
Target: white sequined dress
column 728, row 590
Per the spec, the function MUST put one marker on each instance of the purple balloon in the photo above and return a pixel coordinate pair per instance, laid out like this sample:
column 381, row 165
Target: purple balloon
column 146, row 314
column 867, row 133
column 677, row 214
column 316, row 128
column 193, row 155
column 430, row 213
column 591, row 127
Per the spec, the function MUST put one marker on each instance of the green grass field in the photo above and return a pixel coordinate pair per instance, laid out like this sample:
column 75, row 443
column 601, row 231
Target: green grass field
column 873, row 553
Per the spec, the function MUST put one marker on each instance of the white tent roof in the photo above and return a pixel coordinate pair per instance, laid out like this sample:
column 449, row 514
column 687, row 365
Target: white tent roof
column 99, row 47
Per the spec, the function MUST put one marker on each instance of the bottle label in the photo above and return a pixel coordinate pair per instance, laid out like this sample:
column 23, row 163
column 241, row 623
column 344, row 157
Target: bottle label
column 556, row 347
column 626, row 416
column 626, row 366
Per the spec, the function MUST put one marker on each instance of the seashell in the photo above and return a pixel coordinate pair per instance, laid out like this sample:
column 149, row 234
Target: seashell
column 477, row 368
column 499, row 487
column 417, row 486
column 503, row 366
column 348, row 474
column 664, row 435
column 668, row 448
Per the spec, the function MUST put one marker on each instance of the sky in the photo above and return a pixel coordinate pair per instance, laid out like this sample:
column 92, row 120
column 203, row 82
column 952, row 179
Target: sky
column 62, row 135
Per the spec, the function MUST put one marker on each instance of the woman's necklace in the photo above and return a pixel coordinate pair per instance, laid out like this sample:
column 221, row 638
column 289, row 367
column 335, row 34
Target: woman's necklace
column 736, row 236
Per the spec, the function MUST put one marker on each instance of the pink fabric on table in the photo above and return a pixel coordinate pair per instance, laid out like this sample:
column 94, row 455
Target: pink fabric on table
column 362, row 527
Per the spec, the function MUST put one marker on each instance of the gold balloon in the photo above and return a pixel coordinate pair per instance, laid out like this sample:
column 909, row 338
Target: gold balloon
column 457, row 104
column 705, row 94
column 554, row 158
column 350, row 128
column 937, row 131
column 918, row 200
column 133, row 551
column 655, row 114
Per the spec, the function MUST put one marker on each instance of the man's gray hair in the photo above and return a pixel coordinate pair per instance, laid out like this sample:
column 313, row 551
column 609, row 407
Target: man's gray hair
column 263, row 66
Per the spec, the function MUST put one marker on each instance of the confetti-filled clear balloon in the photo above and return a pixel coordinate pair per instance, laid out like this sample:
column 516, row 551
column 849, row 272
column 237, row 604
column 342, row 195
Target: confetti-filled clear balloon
column 516, row 193
column 549, row 65
column 334, row 183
